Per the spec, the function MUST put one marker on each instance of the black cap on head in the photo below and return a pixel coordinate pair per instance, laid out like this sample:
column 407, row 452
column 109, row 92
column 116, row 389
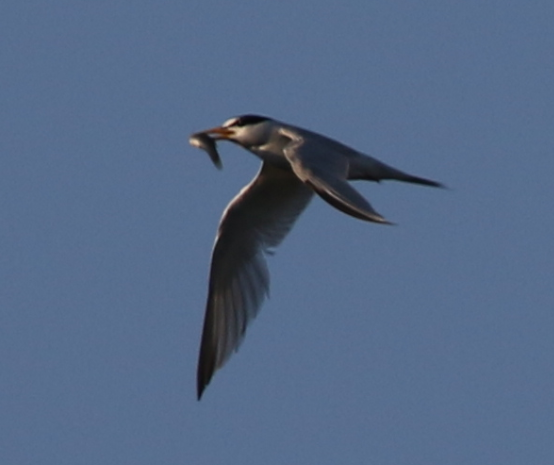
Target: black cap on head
column 246, row 120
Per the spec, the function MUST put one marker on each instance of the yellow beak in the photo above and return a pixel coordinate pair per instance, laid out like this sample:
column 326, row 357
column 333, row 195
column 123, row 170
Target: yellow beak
column 219, row 132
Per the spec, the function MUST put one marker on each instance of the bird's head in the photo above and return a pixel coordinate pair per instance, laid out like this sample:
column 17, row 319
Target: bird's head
column 245, row 130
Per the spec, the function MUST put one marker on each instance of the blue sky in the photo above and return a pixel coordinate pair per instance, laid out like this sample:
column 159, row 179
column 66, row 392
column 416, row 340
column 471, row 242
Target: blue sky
column 425, row 343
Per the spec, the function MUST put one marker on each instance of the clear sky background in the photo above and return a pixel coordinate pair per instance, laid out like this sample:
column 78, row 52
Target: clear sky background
column 430, row 342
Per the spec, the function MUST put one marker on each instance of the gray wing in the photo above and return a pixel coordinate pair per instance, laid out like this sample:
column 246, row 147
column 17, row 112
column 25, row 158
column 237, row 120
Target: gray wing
column 322, row 166
column 255, row 221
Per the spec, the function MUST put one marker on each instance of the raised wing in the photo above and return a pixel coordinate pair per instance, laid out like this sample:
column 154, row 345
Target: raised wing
column 255, row 221
column 326, row 169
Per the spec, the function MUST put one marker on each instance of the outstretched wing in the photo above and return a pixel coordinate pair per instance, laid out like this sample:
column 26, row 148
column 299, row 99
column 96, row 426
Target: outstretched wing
column 255, row 221
column 325, row 169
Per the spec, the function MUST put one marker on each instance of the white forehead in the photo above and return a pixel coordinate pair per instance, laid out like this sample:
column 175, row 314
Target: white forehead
column 230, row 122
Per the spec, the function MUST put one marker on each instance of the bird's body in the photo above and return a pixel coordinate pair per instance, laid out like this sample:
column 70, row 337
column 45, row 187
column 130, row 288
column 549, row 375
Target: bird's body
column 296, row 163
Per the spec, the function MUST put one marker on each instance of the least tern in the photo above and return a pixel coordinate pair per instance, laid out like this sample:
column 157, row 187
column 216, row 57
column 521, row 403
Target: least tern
column 296, row 163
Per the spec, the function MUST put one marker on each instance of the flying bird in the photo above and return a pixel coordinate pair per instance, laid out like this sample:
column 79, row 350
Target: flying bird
column 296, row 163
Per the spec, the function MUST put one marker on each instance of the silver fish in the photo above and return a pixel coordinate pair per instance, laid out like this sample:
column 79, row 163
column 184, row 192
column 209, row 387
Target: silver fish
column 203, row 141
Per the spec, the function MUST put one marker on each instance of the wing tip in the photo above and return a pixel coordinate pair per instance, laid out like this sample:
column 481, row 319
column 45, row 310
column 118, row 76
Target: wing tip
column 199, row 391
column 206, row 367
column 202, row 380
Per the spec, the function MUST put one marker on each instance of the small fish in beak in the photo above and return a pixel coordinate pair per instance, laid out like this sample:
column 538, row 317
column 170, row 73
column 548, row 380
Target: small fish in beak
column 203, row 141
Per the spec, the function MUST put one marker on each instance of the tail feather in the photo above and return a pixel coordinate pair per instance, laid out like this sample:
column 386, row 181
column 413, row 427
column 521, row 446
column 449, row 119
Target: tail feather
column 418, row 180
column 371, row 169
